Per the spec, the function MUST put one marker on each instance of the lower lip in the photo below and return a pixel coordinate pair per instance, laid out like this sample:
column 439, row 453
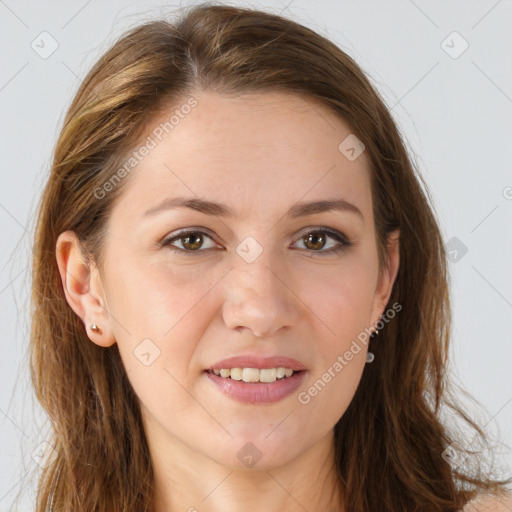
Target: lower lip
column 258, row 392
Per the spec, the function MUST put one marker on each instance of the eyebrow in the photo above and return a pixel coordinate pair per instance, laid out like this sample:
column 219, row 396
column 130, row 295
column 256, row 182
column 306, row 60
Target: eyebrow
column 222, row 210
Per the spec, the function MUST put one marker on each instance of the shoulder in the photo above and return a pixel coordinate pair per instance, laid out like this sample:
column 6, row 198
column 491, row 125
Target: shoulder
column 490, row 503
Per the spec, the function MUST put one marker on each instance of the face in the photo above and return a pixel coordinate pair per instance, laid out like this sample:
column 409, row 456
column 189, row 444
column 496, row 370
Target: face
column 260, row 278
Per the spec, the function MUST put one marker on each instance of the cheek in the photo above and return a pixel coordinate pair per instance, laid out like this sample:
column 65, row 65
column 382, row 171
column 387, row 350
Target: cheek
column 340, row 297
column 168, row 320
column 342, row 302
column 153, row 300
column 158, row 317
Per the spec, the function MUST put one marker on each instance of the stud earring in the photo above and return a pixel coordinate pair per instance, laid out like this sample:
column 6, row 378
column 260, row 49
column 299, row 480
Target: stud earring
column 95, row 328
column 370, row 356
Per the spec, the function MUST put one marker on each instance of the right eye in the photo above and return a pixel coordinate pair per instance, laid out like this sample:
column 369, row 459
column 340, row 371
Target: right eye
column 190, row 240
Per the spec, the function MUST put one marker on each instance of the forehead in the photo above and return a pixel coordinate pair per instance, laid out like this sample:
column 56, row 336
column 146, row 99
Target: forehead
column 268, row 148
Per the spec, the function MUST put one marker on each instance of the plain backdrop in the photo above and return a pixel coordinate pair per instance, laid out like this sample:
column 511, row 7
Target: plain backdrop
column 444, row 68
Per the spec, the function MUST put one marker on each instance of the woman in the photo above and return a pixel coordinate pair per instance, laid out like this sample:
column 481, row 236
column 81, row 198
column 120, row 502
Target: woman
column 240, row 297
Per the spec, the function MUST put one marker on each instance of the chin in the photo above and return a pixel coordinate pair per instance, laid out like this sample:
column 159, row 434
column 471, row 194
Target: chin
column 257, row 452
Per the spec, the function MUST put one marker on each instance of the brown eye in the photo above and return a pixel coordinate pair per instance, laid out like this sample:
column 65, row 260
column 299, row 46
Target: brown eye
column 314, row 241
column 324, row 241
column 192, row 242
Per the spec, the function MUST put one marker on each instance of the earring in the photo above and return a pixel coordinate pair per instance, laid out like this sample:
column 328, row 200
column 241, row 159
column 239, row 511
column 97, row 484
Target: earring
column 370, row 356
column 95, row 328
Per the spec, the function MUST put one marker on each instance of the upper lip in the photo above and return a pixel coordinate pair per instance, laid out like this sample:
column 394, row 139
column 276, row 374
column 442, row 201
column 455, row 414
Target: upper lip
column 249, row 361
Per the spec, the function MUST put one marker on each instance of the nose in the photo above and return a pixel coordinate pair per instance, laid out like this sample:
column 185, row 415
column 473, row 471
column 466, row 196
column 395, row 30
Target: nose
column 260, row 298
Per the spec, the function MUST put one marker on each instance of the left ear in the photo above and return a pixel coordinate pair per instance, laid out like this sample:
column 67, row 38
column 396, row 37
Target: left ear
column 386, row 277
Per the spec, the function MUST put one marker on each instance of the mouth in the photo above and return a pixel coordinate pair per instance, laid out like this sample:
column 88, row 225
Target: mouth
column 256, row 385
column 255, row 375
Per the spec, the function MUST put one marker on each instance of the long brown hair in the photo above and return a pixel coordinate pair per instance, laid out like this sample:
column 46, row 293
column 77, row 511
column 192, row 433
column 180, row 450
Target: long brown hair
column 390, row 443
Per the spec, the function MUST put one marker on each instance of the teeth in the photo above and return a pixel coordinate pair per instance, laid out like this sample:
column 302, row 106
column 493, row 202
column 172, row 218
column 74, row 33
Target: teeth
column 236, row 373
column 268, row 375
column 250, row 375
column 255, row 374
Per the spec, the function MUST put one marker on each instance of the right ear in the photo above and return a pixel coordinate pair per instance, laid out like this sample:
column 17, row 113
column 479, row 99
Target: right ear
column 83, row 288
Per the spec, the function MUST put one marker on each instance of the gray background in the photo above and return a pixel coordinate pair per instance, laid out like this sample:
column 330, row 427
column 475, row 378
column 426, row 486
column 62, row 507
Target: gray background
column 454, row 110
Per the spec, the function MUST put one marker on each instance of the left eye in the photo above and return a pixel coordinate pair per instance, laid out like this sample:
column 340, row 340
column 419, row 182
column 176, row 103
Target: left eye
column 319, row 237
column 315, row 240
column 190, row 241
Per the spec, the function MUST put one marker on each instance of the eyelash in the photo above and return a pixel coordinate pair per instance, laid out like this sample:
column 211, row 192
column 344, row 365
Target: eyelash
column 336, row 235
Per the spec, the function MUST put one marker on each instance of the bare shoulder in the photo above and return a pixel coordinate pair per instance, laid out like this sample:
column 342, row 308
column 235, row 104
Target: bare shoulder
column 490, row 503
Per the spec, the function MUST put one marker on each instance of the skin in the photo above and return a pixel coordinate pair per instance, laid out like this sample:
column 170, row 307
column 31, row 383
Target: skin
column 260, row 154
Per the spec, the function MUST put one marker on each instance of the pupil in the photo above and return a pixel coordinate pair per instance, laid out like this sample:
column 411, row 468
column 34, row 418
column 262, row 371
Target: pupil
column 196, row 241
column 315, row 239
